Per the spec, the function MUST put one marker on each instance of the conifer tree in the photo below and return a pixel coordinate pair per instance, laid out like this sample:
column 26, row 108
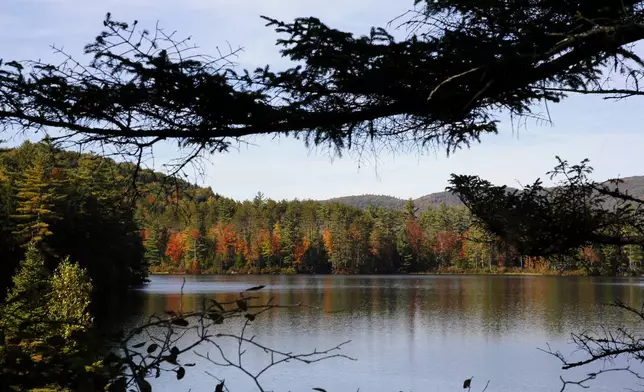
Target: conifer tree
column 153, row 252
column 70, row 298
column 37, row 195
column 26, row 302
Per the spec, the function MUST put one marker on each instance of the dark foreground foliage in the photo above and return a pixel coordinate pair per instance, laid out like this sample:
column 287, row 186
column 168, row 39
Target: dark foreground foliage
column 443, row 84
column 73, row 205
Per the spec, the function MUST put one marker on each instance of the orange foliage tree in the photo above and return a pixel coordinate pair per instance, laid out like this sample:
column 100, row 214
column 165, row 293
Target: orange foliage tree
column 327, row 238
column 300, row 251
column 226, row 240
column 590, row 254
column 176, row 246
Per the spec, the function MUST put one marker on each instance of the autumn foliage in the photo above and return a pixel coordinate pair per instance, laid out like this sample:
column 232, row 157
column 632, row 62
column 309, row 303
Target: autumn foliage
column 176, row 247
column 300, row 250
column 415, row 235
column 447, row 242
column 327, row 237
column 217, row 234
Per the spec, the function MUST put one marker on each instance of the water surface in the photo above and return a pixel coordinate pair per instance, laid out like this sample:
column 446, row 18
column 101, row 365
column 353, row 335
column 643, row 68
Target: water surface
column 408, row 333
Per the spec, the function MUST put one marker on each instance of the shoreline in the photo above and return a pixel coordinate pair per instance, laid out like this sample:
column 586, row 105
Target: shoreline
column 494, row 272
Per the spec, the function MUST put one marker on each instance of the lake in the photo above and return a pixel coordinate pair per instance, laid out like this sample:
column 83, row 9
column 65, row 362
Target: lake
column 407, row 333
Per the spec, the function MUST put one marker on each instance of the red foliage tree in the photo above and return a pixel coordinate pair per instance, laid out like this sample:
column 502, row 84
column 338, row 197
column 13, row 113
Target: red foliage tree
column 415, row 235
column 447, row 242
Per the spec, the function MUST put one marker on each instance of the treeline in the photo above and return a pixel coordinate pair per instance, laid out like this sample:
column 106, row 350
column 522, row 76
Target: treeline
column 205, row 232
column 196, row 231
column 89, row 208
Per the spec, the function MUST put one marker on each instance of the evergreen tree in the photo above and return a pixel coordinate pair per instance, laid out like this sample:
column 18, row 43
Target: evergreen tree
column 6, row 223
column 153, row 250
column 37, row 194
column 25, row 306
column 70, row 298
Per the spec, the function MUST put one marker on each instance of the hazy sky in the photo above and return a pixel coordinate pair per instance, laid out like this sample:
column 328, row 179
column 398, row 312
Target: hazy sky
column 584, row 127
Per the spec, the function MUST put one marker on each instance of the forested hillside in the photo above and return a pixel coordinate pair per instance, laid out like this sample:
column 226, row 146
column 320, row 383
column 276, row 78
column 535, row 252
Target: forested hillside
column 117, row 228
column 203, row 232
column 74, row 205
column 423, row 203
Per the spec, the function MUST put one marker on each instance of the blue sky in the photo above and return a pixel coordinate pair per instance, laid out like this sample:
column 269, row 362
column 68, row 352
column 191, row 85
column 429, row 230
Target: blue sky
column 584, row 127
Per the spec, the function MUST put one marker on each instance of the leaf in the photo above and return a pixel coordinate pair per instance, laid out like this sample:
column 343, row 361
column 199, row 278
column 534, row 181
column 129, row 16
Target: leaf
column 220, row 387
column 171, row 359
column 118, row 385
column 217, row 318
column 241, row 304
column 181, row 372
column 144, row 386
column 217, row 304
column 175, row 351
column 250, row 316
column 180, row 322
column 139, row 345
column 255, row 288
column 319, row 389
column 15, row 65
column 152, row 348
column 467, row 383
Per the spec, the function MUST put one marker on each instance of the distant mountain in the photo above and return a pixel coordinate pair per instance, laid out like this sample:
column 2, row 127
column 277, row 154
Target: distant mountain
column 634, row 185
column 363, row 201
column 395, row 203
column 435, row 199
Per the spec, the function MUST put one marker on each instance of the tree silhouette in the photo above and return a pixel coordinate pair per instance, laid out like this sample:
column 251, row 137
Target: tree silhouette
column 562, row 220
column 461, row 62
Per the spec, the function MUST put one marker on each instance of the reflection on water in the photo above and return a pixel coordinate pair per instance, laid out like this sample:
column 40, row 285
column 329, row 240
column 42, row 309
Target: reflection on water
column 414, row 333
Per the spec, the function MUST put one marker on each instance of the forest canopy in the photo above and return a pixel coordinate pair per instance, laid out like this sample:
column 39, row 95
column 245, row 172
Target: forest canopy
column 167, row 225
column 71, row 205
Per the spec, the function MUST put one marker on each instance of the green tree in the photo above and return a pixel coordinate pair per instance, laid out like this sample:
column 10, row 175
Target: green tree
column 25, row 306
column 153, row 244
column 7, row 227
column 37, row 193
column 70, row 297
